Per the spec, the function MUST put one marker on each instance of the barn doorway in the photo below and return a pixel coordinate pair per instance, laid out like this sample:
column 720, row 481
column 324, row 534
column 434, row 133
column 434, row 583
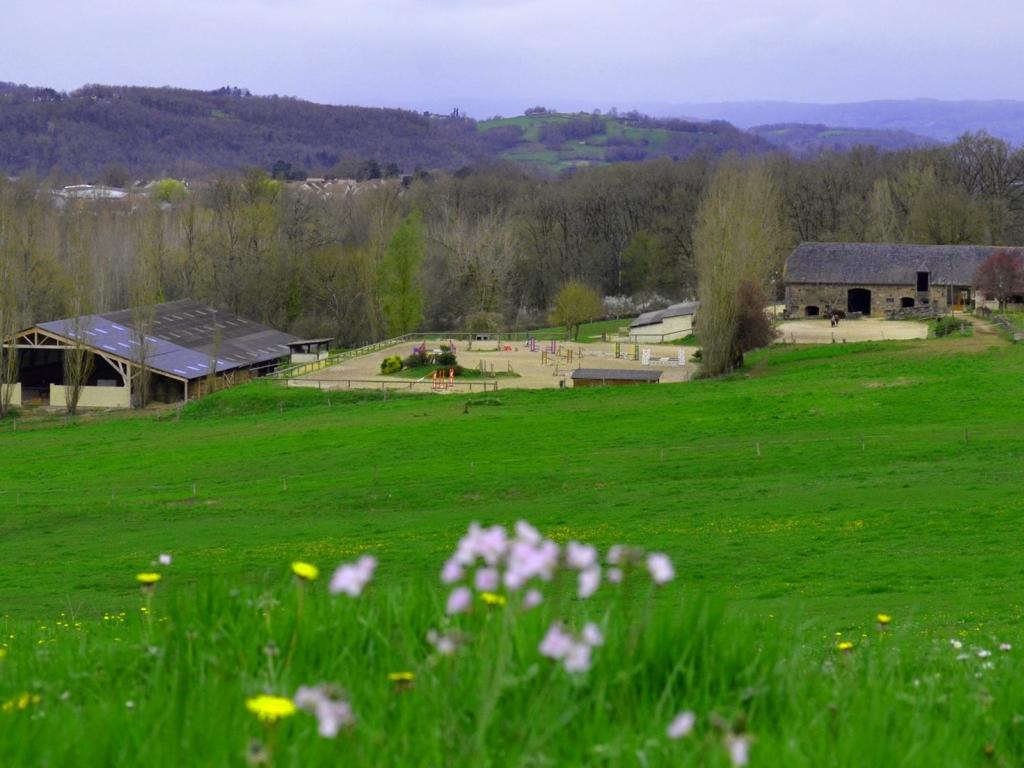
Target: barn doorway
column 812, row 311
column 906, row 302
column 859, row 300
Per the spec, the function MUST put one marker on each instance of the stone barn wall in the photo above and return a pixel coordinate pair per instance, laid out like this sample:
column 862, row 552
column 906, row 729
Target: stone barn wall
column 884, row 298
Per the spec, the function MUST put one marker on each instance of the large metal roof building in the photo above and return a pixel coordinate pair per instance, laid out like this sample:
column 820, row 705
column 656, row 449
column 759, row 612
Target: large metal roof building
column 185, row 344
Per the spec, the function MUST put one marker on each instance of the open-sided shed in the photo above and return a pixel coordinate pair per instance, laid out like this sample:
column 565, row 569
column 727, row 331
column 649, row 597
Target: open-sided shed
column 184, row 346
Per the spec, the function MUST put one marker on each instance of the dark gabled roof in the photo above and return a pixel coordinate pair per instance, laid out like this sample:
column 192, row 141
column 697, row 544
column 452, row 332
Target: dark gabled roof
column 676, row 310
column 887, row 263
column 616, row 374
column 183, row 338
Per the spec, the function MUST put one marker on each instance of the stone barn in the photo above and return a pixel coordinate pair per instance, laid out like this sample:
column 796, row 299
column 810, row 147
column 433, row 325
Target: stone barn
column 875, row 278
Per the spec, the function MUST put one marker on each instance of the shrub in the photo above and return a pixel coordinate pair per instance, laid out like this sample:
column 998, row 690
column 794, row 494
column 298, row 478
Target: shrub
column 415, row 360
column 946, row 326
column 446, row 357
column 391, row 364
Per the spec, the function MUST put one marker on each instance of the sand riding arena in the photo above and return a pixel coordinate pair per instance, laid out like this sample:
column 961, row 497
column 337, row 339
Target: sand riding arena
column 496, row 365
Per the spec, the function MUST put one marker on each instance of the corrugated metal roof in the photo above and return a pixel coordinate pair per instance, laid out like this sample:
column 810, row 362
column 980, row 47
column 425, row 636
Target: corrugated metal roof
column 616, row 374
column 676, row 310
column 184, row 337
column 887, row 263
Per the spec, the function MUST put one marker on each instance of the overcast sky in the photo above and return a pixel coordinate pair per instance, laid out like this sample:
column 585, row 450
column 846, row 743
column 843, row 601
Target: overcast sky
column 499, row 56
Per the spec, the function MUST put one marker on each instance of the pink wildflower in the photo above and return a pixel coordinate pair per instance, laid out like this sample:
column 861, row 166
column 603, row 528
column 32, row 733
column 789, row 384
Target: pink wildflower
column 580, row 556
column 332, row 712
column 589, row 581
column 486, row 580
column 592, row 635
column 578, row 658
column 352, row 578
column 451, row 572
column 459, row 601
column 532, row 599
column 556, row 643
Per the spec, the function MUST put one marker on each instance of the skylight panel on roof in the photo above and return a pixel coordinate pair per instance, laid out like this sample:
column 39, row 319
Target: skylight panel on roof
column 117, row 327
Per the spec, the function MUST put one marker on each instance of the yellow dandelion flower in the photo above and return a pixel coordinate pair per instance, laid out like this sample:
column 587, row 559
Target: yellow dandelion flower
column 492, row 599
column 401, row 677
column 305, row 571
column 147, row 579
column 884, row 618
column 20, row 702
column 846, row 645
column 270, row 709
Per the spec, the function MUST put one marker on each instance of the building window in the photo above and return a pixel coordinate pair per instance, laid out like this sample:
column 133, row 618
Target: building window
column 922, row 282
column 890, row 300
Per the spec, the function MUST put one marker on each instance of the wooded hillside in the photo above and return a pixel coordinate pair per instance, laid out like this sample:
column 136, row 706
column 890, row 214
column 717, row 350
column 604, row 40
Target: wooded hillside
column 169, row 131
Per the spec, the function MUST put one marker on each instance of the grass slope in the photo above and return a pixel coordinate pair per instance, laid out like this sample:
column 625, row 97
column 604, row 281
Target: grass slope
column 798, row 498
column 919, row 520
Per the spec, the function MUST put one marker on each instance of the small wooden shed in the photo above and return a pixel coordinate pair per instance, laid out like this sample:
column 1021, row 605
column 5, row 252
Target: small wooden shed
column 613, row 377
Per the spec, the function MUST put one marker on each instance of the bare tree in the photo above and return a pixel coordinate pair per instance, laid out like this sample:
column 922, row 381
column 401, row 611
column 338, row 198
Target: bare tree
column 8, row 327
column 739, row 237
column 1001, row 277
column 78, row 363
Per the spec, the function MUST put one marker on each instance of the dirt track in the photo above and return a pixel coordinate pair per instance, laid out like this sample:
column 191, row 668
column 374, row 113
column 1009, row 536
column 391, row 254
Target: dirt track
column 865, row 329
column 531, row 370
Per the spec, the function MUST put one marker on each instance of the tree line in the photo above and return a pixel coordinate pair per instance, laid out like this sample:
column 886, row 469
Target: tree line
column 489, row 246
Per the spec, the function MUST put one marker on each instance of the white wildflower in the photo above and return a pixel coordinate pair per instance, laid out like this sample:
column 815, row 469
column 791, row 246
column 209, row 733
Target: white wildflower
column 660, row 567
column 681, row 726
column 739, row 749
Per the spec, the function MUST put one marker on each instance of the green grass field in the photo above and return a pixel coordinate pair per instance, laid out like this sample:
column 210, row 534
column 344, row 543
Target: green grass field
column 797, row 498
column 589, row 332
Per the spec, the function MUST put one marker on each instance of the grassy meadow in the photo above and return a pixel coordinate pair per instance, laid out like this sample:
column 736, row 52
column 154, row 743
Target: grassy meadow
column 797, row 499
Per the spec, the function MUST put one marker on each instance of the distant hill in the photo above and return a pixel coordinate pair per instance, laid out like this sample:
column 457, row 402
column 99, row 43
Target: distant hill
column 940, row 120
column 560, row 141
column 172, row 131
column 184, row 132
column 803, row 139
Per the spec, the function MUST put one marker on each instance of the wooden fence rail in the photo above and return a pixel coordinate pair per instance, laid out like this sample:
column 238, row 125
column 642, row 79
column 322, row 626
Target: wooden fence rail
column 391, row 384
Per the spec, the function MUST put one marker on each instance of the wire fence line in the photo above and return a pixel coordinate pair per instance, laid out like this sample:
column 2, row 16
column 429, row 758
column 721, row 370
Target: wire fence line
column 413, row 473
